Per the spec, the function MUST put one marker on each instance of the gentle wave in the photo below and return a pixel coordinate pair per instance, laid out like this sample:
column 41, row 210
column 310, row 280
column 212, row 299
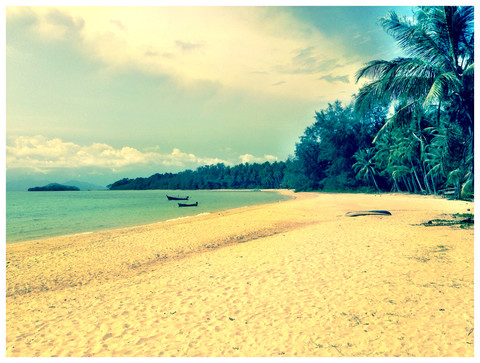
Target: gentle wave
column 179, row 218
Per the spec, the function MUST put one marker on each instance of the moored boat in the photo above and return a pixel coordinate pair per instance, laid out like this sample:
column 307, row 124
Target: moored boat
column 188, row 205
column 177, row 198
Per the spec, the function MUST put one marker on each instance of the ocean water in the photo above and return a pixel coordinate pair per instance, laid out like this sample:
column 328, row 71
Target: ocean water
column 33, row 215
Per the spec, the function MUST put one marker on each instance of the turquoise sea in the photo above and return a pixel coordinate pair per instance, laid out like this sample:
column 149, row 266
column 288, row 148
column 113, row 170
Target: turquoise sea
column 32, row 215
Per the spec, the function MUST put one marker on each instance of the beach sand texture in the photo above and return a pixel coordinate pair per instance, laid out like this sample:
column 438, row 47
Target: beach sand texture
column 293, row 278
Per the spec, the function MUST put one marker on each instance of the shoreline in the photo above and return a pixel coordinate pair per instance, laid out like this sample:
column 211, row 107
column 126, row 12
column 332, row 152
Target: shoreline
column 296, row 278
column 284, row 192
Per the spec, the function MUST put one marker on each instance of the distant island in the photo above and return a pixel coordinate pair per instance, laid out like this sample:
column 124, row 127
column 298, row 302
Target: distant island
column 53, row 187
column 23, row 183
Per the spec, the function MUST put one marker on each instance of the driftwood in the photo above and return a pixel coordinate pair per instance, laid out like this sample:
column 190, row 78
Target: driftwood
column 369, row 212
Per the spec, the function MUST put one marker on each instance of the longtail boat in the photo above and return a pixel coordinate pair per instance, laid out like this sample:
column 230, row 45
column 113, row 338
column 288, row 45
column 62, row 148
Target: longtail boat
column 187, row 205
column 176, row 198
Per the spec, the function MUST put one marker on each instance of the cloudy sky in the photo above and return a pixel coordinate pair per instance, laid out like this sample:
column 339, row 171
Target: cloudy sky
column 102, row 93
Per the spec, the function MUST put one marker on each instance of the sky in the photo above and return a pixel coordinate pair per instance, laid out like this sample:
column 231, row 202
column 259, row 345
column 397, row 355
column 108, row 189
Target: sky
column 99, row 93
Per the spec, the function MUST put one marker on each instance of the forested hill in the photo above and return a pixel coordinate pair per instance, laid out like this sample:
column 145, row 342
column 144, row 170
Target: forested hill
column 54, row 187
column 244, row 176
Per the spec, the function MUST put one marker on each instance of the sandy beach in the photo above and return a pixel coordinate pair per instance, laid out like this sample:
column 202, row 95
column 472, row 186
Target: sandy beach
column 296, row 278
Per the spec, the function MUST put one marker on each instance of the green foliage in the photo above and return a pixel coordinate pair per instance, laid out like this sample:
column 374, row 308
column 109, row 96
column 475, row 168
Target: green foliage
column 427, row 144
column 439, row 42
column 244, row 176
column 326, row 152
column 365, row 165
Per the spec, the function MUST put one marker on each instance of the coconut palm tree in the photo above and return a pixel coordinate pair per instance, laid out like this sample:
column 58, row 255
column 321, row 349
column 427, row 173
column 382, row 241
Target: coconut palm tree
column 438, row 73
column 440, row 68
column 439, row 41
column 365, row 166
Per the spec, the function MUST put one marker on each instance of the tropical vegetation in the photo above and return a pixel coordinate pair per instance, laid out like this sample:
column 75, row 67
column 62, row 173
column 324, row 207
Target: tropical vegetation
column 417, row 112
column 427, row 144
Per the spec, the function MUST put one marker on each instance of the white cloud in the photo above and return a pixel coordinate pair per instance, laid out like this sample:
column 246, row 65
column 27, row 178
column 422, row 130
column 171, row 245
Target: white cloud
column 180, row 158
column 249, row 158
column 41, row 154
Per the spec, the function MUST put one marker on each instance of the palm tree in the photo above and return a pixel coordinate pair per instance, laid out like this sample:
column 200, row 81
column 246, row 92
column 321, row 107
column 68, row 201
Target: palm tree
column 365, row 165
column 400, row 172
column 439, row 72
column 440, row 43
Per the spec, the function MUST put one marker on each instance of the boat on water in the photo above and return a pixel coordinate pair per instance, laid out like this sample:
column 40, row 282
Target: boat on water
column 188, row 205
column 177, row 198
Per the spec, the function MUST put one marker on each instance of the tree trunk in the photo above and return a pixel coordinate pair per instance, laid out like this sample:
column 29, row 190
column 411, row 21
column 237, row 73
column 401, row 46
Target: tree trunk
column 458, row 190
column 427, row 184
column 407, row 184
column 425, row 179
column 397, row 188
column 418, row 181
column 438, row 112
column 414, row 184
column 433, row 184
column 375, row 182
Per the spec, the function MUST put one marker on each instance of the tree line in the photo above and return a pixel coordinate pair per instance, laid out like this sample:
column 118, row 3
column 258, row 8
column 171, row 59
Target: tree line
column 410, row 127
column 244, row 176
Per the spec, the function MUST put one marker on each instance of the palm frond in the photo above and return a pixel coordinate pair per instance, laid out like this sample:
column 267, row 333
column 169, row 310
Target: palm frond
column 369, row 95
column 408, row 88
column 415, row 40
column 399, row 171
column 402, row 79
column 469, row 71
column 397, row 67
column 373, row 70
column 394, row 118
column 442, row 84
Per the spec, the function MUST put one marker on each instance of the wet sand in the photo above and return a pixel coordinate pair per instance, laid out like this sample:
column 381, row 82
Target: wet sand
column 296, row 278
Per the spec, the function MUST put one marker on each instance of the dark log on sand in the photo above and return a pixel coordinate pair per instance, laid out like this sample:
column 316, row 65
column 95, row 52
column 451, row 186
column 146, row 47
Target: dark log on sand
column 368, row 213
